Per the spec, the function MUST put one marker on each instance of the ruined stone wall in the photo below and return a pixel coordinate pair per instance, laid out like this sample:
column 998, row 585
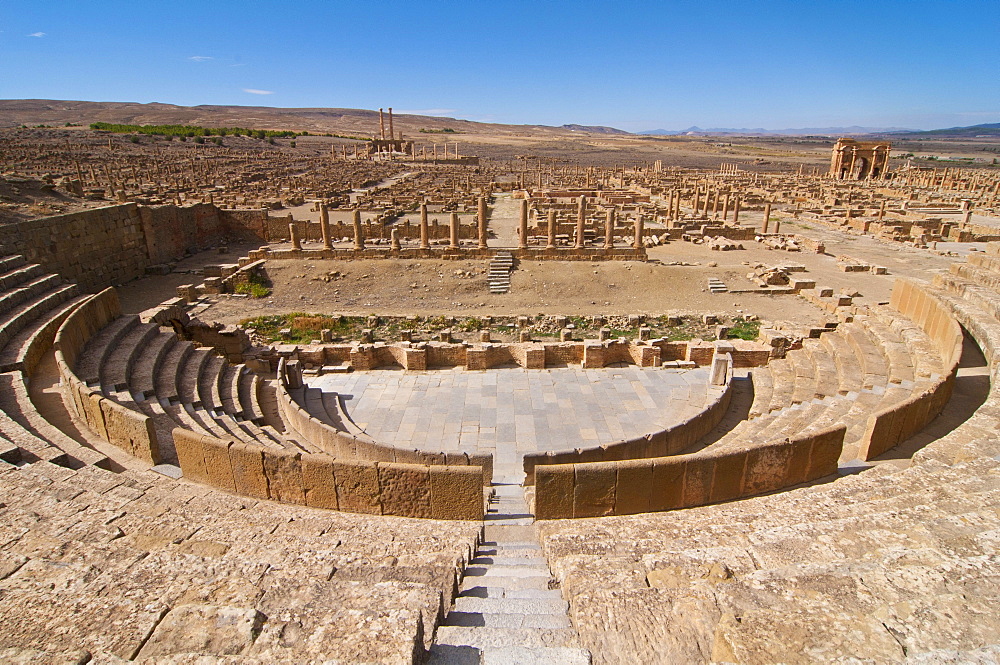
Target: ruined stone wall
column 113, row 245
column 245, row 223
column 171, row 231
column 94, row 248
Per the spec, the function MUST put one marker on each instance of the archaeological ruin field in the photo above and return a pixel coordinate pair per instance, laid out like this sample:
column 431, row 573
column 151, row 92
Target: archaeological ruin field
column 343, row 386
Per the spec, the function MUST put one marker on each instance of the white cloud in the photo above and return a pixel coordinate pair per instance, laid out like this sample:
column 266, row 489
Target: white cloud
column 425, row 111
column 254, row 91
column 201, row 58
column 37, row 34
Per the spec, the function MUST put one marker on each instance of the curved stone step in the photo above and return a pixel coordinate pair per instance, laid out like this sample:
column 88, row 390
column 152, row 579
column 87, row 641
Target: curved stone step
column 850, row 375
column 13, row 355
column 116, row 370
column 166, row 376
column 22, row 316
column 95, row 353
column 150, row 362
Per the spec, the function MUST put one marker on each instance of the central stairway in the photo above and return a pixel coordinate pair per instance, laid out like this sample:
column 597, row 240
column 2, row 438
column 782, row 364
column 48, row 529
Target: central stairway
column 505, row 612
column 499, row 274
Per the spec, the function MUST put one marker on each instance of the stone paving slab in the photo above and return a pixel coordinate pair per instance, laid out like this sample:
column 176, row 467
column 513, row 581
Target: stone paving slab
column 510, row 412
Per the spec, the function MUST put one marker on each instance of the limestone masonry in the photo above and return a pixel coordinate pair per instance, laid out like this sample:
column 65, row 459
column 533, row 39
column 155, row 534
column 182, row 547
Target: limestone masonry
column 424, row 489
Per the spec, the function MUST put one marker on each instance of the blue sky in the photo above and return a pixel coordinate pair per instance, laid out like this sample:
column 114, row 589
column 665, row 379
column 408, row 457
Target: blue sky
column 632, row 65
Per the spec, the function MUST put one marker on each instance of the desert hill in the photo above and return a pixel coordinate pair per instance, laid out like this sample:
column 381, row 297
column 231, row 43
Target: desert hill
column 360, row 122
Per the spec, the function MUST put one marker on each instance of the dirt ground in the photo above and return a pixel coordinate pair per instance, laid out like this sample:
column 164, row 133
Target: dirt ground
column 439, row 287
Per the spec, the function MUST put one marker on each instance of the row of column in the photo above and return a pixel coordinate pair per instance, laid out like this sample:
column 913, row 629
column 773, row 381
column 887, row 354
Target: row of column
column 359, row 239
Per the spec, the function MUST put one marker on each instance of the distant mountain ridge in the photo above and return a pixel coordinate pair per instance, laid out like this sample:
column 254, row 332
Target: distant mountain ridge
column 987, row 129
column 596, row 129
column 759, row 131
column 353, row 122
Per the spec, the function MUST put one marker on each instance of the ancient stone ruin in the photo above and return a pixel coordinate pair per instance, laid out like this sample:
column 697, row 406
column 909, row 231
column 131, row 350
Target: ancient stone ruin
column 178, row 491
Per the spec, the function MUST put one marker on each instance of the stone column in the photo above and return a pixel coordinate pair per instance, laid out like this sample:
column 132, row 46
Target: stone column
column 609, row 230
column 736, row 211
column 523, row 227
column 394, row 239
column 581, row 216
column 637, row 243
column 381, row 125
column 551, row 244
column 293, row 232
column 482, row 222
column 696, row 202
column 359, row 236
column 425, row 242
column 725, row 208
column 454, row 231
column 392, row 134
column 881, row 211
column 324, row 226
column 767, row 218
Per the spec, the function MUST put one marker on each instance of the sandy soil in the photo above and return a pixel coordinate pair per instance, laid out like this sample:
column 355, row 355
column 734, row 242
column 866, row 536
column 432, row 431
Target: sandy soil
column 435, row 287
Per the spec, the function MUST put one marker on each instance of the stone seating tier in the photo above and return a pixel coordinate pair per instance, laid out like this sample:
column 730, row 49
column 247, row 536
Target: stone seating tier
column 134, row 566
column 866, row 567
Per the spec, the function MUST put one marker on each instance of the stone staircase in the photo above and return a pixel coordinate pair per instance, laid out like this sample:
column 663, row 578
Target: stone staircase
column 506, row 613
column 498, row 277
column 716, row 285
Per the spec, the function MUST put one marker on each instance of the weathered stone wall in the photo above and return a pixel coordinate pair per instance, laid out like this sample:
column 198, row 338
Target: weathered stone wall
column 170, row 231
column 628, row 487
column 321, row 481
column 94, row 248
column 113, row 245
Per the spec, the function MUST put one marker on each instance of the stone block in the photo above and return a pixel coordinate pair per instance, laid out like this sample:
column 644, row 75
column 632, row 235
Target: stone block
column 698, row 477
column 131, row 431
column 554, row 491
column 798, row 461
column 456, row 492
column 766, row 468
column 404, row 489
column 634, row 487
column 357, row 487
column 318, row 481
column 93, row 414
column 826, row 449
column 484, row 461
column 727, row 482
column 217, row 465
column 203, row 628
column 668, row 483
column 190, row 455
column 247, row 462
column 284, row 476
column 594, row 489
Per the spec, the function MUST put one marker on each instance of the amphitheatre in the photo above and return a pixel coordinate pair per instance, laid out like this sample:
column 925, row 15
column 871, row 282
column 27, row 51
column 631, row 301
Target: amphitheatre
column 364, row 387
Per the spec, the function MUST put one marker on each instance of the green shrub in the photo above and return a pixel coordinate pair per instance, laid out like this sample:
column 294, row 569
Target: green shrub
column 743, row 329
